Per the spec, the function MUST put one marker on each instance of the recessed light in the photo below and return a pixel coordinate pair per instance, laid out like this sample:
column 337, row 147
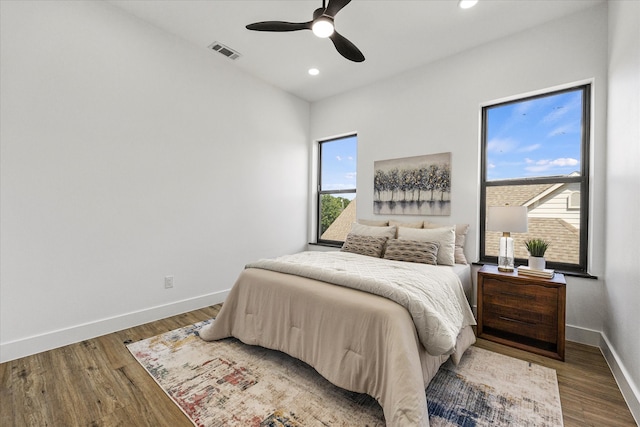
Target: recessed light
column 314, row 71
column 466, row 4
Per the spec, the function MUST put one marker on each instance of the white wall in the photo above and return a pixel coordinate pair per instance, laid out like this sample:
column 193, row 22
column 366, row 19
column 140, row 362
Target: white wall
column 127, row 155
column 622, row 291
column 436, row 108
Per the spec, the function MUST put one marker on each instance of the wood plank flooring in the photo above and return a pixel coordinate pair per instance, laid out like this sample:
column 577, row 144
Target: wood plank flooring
column 98, row 383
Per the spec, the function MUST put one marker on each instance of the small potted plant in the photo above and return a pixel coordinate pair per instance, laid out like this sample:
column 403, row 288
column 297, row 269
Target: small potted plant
column 537, row 249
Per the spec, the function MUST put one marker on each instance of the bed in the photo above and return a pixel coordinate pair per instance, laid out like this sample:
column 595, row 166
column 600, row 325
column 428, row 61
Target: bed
column 330, row 310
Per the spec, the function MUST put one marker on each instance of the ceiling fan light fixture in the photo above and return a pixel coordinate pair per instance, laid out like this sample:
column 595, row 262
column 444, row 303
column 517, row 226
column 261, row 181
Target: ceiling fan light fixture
column 466, row 4
column 323, row 27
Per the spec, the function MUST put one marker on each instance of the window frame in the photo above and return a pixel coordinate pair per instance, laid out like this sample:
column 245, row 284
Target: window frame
column 320, row 192
column 583, row 179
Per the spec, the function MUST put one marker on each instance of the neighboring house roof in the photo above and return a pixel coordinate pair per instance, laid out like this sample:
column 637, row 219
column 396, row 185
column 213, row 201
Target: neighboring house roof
column 514, row 195
column 342, row 224
column 549, row 190
column 564, row 239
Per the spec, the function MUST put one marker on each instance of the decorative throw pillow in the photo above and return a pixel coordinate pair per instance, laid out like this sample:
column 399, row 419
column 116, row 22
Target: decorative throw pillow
column 412, row 251
column 367, row 230
column 461, row 237
column 445, row 237
column 364, row 245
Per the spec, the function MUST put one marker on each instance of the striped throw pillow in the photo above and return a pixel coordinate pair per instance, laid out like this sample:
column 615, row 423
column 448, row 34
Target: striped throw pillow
column 412, row 251
column 364, row 245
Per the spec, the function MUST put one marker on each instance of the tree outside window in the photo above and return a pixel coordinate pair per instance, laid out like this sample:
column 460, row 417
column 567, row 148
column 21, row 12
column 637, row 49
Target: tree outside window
column 336, row 188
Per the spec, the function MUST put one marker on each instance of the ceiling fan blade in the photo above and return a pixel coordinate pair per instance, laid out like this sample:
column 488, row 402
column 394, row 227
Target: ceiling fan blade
column 346, row 48
column 279, row 26
column 334, row 6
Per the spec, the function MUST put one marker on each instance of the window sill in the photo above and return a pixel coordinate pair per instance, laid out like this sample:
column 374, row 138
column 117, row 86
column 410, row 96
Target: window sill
column 569, row 273
column 327, row 245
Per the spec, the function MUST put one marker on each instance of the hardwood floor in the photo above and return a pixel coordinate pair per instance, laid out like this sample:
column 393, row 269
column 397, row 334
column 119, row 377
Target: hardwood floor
column 588, row 392
column 98, row 383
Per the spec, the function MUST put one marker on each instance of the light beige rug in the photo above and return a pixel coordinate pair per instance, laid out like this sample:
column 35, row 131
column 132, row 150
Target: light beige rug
column 228, row 383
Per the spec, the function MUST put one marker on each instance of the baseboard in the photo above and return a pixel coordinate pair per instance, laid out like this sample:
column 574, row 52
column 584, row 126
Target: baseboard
column 38, row 343
column 628, row 388
column 583, row 335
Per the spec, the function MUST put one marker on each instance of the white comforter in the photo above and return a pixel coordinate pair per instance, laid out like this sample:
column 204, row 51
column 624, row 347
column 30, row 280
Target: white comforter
column 432, row 295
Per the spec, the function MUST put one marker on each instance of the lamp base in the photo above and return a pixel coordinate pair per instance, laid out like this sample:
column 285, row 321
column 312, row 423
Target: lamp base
column 505, row 257
column 506, row 269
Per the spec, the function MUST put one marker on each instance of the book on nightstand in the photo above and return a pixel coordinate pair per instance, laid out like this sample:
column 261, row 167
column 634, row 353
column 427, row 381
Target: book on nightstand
column 525, row 270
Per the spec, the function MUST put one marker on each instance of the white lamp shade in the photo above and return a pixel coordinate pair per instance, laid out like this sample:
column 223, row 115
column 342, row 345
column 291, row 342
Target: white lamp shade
column 512, row 219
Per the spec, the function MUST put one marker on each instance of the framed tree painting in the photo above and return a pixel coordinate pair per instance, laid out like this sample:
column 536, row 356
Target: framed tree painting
column 419, row 185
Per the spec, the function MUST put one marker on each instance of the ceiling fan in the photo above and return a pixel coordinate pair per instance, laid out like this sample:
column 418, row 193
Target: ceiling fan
column 321, row 25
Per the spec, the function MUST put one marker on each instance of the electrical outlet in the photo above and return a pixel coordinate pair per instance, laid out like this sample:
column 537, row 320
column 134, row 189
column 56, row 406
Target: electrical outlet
column 168, row 282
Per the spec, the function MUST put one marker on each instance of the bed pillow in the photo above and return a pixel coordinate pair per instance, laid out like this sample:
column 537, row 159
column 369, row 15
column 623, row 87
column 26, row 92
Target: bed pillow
column 368, row 230
column 364, row 245
column 417, row 224
column 412, row 251
column 399, row 224
column 461, row 237
column 373, row 222
column 445, row 237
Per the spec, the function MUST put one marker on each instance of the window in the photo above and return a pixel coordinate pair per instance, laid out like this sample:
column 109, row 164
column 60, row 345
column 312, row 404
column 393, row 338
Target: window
column 535, row 153
column 573, row 201
column 336, row 188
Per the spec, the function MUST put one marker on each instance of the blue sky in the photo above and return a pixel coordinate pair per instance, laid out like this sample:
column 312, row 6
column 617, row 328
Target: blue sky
column 339, row 162
column 538, row 137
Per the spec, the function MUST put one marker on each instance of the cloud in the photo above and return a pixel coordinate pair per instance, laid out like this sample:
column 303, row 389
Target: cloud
column 556, row 114
column 341, row 158
column 565, row 128
column 501, row 145
column 523, row 107
column 529, row 148
column 546, row 164
column 565, row 161
column 351, row 175
column 570, row 106
column 565, row 118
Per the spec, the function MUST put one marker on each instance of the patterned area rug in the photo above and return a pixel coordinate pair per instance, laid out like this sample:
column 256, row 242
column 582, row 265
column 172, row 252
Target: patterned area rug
column 228, row 383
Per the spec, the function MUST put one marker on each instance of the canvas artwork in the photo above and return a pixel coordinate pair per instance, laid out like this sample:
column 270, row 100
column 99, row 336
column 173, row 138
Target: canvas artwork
column 419, row 185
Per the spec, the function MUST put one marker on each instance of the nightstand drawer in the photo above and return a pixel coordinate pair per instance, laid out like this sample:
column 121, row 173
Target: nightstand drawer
column 525, row 314
column 526, row 324
column 521, row 296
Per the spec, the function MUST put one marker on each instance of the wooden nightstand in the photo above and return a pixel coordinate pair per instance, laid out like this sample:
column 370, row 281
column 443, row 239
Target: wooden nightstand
column 522, row 311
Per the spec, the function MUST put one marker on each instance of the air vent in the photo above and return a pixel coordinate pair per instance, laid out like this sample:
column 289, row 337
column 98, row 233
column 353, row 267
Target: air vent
column 225, row 50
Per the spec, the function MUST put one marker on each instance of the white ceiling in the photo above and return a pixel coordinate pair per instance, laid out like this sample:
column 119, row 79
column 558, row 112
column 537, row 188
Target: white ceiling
column 394, row 35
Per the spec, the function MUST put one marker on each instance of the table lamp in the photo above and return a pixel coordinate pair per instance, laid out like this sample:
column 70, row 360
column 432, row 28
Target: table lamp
column 507, row 219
